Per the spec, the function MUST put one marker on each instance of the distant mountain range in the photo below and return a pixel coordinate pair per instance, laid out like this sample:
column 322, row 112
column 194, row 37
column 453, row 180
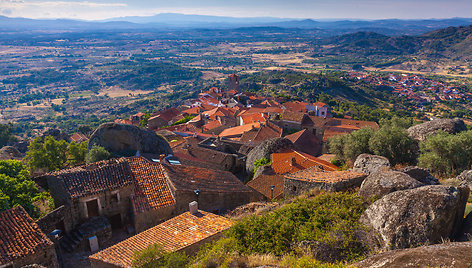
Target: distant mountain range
column 167, row 21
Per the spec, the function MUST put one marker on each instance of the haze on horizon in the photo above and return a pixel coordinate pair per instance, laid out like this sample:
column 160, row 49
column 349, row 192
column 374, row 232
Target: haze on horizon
column 314, row 9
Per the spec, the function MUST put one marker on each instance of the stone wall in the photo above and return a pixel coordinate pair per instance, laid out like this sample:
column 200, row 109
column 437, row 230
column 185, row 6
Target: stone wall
column 293, row 187
column 213, row 202
column 46, row 257
column 151, row 218
column 49, row 222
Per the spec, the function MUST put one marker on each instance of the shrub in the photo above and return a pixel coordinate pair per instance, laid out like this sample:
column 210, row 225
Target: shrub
column 329, row 218
column 260, row 162
column 447, row 154
column 97, row 153
column 155, row 256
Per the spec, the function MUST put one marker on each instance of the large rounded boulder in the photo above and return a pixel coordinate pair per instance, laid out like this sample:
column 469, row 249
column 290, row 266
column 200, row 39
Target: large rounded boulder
column 385, row 181
column 465, row 179
column 265, row 149
column 125, row 140
column 421, row 131
column 442, row 255
column 420, row 174
column 367, row 163
column 420, row 216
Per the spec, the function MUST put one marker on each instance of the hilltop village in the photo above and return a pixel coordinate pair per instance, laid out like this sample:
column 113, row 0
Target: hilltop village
column 176, row 186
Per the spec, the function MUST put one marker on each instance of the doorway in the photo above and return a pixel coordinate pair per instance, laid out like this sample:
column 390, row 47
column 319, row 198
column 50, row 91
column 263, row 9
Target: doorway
column 92, row 208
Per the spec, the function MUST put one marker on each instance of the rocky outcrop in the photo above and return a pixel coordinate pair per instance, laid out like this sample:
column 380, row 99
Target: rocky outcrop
column 9, row 153
column 421, row 131
column 442, row 255
column 384, row 181
column 126, row 140
column 264, row 170
column 265, row 149
column 465, row 179
column 419, row 216
column 420, row 174
column 367, row 163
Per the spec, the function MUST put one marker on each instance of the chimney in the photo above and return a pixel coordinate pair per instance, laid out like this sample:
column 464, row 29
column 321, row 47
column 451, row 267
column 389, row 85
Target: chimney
column 292, row 161
column 193, row 207
column 162, row 157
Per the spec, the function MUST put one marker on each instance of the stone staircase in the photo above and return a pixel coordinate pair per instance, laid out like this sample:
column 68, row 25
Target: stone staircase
column 77, row 237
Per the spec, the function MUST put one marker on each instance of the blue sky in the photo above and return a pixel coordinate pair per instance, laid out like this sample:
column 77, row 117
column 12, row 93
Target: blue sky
column 315, row 9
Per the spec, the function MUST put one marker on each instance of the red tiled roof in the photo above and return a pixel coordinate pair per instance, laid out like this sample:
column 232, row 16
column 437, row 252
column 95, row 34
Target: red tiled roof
column 292, row 161
column 267, row 131
column 19, row 235
column 95, row 178
column 338, row 130
column 253, row 118
column 211, row 125
column 78, row 137
column 314, row 175
column 150, row 186
column 263, row 182
column 189, row 178
column 293, row 116
column 239, row 130
column 174, row 235
column 305, row 141
column 296, row 106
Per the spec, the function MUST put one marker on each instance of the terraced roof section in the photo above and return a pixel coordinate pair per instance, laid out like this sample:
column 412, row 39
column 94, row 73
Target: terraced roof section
column 95, row 178
column 174, row 234
column 189, row 178
column 313, row 175
column 19, row 235
column 150, row 185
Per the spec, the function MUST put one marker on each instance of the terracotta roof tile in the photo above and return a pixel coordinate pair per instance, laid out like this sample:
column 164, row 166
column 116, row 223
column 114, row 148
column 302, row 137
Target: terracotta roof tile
column 263, row 182
column 189, row 178
column 293, row 161
column 306, row 142
column 174, row 234
column 19, row 235
column 95, row 178
column 239, row 130
column 150, row 185
column 314, row 175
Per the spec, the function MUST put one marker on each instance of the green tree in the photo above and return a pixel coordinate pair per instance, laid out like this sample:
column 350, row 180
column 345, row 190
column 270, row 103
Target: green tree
column 48, row 154
column 357, row 143
column 16, row 187
column 97, row 153
column 5, row 134
column 447, row 154
column 77, row 152
column 395, row 144
column 144, row 120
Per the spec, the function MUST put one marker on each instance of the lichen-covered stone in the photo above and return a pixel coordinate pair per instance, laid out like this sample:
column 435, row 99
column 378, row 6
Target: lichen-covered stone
column 455, row 254
column 421, row 131
column 265, row 149
column 121, row 138
column 420, row 216
column 384, row 181
column 421, row 175
column 367, row 163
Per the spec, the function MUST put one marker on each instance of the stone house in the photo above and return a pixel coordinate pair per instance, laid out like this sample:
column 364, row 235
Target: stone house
column 305, row 141
column 139, row 192
column 22, row 242
column 184, row 233
column 271, row 186
column 216, row 191
column 100, row 189
column 333, row 181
